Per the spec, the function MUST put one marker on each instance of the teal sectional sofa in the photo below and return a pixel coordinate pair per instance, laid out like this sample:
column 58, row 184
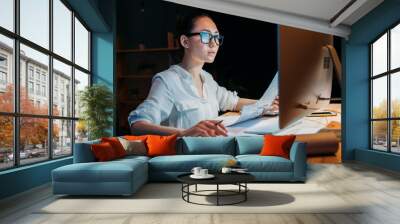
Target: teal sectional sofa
column 125, row 176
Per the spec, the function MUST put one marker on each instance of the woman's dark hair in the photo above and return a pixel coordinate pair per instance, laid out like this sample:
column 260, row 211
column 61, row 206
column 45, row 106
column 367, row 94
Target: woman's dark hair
column 187, row 24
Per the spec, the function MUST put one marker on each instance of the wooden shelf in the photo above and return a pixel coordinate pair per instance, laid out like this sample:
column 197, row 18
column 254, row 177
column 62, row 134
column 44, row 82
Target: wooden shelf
column 147, row 50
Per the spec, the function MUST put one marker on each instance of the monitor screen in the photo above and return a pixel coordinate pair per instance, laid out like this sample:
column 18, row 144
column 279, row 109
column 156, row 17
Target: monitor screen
column 305, row 73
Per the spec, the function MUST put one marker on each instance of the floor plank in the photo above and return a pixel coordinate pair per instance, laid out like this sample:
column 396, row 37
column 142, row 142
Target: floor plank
column 377, row 190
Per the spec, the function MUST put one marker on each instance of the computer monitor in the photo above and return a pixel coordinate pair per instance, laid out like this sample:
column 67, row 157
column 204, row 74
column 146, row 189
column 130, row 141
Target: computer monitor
column 305, row 73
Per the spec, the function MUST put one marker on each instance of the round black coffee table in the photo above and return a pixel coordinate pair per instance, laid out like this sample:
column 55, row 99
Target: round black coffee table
column 238, row 179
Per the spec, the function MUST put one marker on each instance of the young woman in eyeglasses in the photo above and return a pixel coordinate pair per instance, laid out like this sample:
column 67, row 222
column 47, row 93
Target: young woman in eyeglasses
column 185, row 99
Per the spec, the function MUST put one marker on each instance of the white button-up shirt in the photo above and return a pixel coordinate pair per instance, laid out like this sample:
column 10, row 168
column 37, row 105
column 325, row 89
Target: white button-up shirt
column 173, row 99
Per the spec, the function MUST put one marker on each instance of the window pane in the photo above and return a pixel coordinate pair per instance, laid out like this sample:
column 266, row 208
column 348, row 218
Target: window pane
column 395, row 136
column 379, row 97
column 34, row 78
column 62, row 29
column 81, row 45
column 81, row 81
column 7, row 14
column 62, row 138
column 379, row 55
column 62, row 89
column 395, row 47
column 395, row 94
column 35, row 21
column 6, row 142
column 81, row 131
column 6, row 74
column 379, row 135
column 33, row 140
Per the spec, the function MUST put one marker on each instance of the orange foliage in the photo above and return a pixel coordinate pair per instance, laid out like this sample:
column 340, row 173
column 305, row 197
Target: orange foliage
column 33, row 130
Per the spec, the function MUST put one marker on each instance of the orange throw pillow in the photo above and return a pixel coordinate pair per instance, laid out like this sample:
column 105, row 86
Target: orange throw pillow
column 103, row 151
column 277, row 145
column 161, row 145
column 116, row 145
column 135, row 137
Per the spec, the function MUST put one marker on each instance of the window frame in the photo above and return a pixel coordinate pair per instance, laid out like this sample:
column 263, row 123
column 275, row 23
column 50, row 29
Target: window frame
column 388, row 74
column 16, row 114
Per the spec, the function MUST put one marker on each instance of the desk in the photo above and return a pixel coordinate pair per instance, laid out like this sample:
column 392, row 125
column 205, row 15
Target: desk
column 325, row 142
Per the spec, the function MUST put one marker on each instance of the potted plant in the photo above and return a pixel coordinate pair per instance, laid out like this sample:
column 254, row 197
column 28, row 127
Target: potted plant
column 96, row 103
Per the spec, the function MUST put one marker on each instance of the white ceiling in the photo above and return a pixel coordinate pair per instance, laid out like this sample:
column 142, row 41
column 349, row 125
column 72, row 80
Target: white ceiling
column 315, row 15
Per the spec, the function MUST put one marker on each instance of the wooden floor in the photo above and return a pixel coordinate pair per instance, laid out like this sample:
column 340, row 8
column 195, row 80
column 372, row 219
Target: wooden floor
column 377, row 188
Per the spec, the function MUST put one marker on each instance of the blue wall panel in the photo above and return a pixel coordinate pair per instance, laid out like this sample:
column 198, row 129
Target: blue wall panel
column 356, row 93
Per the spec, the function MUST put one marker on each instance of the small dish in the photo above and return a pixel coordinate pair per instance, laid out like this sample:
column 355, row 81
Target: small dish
column 208, row 176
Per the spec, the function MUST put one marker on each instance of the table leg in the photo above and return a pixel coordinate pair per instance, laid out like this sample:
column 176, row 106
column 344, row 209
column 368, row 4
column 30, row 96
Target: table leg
column 217, row 194
column 245, row 193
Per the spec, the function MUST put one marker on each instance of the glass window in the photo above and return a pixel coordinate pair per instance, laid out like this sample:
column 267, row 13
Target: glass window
column 395, row 136
column 35, row 21
column 385, row 125
column 30, row 71
column 6, row 73
column 62, row 74
column 81, row 45
column 34, row 79
column 81, row 81
column 379, row 135
column 379, row 98
column 7, row 14
column 37, row 89
column 395, row 47
column 37, row 74
column 6, row 142
column 40, row 61
column 62, row 29
column 62, row 137
column 33, row 140
column 395, row 95
column 30, row 87
column 81, row 131
column 379, row 56
column 3, row 61
column 43, row 90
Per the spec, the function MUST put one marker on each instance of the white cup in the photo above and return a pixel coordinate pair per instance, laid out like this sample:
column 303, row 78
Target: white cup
column 226, row 170
column 203, row 172
column 196, row 170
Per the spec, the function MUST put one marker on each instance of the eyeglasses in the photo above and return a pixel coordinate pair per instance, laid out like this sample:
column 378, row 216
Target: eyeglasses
column 206, row 37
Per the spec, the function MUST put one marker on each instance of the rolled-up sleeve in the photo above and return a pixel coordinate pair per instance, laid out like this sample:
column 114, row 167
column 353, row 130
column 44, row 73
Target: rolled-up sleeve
column 227, row 100
column 157, row 107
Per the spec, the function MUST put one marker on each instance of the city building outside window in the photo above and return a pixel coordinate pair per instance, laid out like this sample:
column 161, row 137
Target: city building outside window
column 56, row 128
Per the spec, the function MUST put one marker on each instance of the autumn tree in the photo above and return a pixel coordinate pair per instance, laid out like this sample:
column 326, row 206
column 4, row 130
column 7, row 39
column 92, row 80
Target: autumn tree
column 33, row 131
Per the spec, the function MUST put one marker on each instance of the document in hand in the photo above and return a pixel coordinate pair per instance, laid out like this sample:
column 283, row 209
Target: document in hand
column 254, row 110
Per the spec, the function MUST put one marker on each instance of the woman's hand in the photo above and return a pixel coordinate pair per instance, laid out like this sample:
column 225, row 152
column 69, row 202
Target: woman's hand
column 206, row 128
column 273, row 109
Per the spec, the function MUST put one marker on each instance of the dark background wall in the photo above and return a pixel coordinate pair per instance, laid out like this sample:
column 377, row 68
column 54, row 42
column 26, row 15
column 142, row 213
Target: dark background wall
column 246, row 62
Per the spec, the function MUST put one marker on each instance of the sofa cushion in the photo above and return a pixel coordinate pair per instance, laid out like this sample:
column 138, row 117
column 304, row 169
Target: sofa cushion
column 207, row 145
column 277, row 145
column 116, row 145
column 249, row 144
column 161, row 145
column 111, row 171
column 133, row 147
column 103, row 152
column 184, row 163
column 257, row 163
